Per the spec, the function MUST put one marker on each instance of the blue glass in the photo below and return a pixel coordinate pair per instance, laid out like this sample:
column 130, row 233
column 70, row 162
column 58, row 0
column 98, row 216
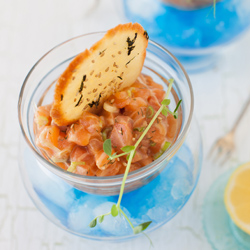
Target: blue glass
column 220, row 230
column 156, row 192
column 159, row 201
column 194, row 36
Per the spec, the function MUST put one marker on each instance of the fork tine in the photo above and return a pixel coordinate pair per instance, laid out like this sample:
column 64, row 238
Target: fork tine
column 226, row 157
column 212, row 150
column 218, row 154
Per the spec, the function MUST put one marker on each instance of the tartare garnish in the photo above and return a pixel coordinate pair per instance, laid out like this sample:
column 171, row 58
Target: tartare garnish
column 130, row 151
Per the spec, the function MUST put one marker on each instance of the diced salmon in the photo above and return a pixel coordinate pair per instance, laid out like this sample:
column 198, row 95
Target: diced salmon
column 79, row 134
column 121, row 99
column 101, row 158
column 140, row 154
column 146, row 161
column 42, row 116
column 134, row 166
column 108, row 117
column 172, row 127
column 48, row 138
column 154, row 102
column 123, row 119
column 122, row 132
column 159, row 94
column 95, row 145
column 157, row 134
column 91, row 122
column 82, row 154
column 135, row 105
column 54, row 143
column 140, row 90
column 62, row 165
column 65, row 148
column 150, row 82
column 112, row 169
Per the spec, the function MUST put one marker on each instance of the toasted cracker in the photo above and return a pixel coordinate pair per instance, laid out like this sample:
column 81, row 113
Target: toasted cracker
column 110, row 65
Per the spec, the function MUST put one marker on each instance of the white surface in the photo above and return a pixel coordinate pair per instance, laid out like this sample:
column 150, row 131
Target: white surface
column 28, row 29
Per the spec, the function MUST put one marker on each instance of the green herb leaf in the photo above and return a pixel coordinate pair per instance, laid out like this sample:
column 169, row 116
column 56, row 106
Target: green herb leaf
column 165, row 102
column 107, row 147
column 128, row 149
column 141, row 129
column 177, row 106
column 114, row 210
column 74, row 164
column 101, row 218
column 157, row 155
column 140, row 228
column 165, row 111
column 166, row 146
column 163, row 149
column 93, row 223
column 149, row 112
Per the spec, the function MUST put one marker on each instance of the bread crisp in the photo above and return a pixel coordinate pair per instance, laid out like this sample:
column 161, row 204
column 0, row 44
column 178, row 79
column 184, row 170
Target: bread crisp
column 110, row 65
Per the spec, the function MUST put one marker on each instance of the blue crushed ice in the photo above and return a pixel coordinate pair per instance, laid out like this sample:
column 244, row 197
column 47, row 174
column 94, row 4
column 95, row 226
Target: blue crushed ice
column 118, row 225
column 158, row 201
column 199, row 28
column 82, row 213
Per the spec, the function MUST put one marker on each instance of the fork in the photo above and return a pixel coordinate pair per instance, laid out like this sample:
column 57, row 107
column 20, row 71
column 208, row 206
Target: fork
column 225, row 145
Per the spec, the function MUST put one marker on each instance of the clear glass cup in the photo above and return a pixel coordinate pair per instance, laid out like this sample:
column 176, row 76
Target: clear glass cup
column 156, row 192
column 190, row 29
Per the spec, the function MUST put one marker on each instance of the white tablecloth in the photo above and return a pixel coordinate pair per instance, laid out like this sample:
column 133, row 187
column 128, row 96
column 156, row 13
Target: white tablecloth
column 28, row 29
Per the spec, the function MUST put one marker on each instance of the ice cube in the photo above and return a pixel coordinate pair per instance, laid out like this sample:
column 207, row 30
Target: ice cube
column 81, row 213
column 181, row 188
column 118, row 225
column 157, row 214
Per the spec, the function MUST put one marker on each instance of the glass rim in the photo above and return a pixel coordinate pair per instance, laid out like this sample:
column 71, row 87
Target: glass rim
column 82, row 179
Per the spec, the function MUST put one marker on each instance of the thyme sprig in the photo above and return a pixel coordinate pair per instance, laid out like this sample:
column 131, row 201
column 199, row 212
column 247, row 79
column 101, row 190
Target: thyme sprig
column 130, row 150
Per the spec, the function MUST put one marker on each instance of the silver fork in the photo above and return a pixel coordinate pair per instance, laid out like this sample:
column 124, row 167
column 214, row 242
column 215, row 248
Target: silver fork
column 225, row 145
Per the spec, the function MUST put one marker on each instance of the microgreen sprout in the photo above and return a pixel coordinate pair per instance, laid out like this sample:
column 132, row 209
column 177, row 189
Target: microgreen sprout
column 130, row 151
column 214, row 6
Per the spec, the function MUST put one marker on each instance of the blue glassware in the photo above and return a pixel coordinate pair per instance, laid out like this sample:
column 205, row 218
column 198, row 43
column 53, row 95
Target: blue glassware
column 156, row 192
column 195, row 36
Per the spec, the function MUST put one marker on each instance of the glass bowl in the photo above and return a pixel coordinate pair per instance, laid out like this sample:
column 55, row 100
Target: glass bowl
column 191, row 32
column 156, row 192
